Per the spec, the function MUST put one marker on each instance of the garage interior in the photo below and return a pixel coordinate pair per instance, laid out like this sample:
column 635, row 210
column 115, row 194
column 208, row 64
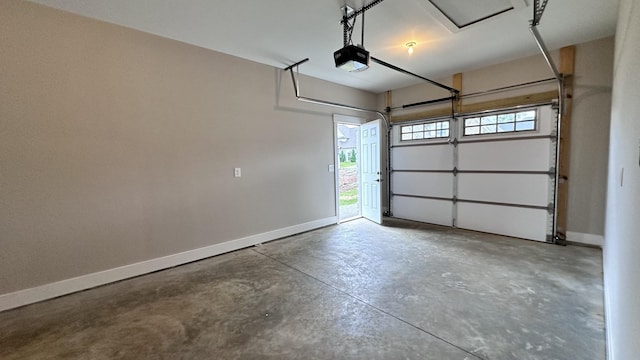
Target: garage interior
column 169, row 180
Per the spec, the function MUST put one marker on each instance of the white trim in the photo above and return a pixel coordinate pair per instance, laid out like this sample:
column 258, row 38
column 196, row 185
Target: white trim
column 607, row 312
column 346, row 119
column 68, row 286
column 582, row 238
column 608, row 326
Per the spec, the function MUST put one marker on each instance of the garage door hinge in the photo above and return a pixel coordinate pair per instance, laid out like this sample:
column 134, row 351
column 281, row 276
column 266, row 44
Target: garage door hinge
column 552, row 172
column 455, row 171
column 454, row 142
column 454, row 199
column 550, row 208
column 453, row 222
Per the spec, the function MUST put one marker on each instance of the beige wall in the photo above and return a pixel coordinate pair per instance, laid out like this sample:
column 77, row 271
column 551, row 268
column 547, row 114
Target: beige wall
column 590, row 136
column 514, row 72
column 591, row 105
column 118, row 146
column 474, row 81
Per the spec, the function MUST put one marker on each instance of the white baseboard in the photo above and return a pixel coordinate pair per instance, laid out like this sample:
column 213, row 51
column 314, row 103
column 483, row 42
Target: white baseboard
column 68, row 286
column 582, row 238
column 608, row 328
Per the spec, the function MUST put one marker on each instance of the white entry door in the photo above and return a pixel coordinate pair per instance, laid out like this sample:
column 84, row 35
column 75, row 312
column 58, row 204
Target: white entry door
column 371, row 177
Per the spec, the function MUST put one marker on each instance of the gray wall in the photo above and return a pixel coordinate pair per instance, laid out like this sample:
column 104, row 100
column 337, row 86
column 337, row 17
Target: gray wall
column 118, row 147
column 622, row 237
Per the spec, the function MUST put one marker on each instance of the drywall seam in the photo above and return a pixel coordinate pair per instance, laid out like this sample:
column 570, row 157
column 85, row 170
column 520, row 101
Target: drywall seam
column 583, row 238
column 68, row 286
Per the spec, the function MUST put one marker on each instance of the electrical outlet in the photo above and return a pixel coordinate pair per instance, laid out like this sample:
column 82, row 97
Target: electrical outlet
column 237, row 172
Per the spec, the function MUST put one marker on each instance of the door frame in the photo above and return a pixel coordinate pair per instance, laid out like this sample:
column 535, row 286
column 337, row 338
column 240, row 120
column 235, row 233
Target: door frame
column 347, row 120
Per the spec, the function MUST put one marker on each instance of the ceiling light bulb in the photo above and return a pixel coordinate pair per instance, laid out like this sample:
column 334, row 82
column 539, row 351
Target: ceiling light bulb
column 410, row 45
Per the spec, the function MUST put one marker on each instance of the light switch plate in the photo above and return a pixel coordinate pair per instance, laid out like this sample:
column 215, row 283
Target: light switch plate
column 237, row 172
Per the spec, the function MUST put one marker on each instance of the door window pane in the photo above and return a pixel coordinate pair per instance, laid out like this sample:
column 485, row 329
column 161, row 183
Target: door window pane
column 525, row 125
column 505, row 127
column 501, row 123
column 427, row 130
column 505, row 118
column 472, row 122
column 488, row 120
column 473, row 130
column 488, row 129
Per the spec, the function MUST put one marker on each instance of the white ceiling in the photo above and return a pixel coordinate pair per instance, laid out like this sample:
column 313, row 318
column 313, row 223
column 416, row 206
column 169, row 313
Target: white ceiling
column 281, row 32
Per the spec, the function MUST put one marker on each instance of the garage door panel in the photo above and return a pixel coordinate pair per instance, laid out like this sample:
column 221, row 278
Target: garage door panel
column 512, row 221
column 502, row 184
column 433, row 157
column 424, row 210
column 505, row 188
column 423, row 184
column 532, row 155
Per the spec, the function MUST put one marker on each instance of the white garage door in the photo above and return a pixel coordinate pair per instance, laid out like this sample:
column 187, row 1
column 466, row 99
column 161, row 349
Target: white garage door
column 491, row 172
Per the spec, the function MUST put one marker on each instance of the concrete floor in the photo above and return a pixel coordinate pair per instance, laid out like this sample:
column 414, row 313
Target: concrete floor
column 354, row 291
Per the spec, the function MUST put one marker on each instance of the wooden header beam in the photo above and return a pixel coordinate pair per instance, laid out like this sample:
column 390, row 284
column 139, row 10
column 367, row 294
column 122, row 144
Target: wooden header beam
column 530, row 99
column 567, row 67
column 457, row 84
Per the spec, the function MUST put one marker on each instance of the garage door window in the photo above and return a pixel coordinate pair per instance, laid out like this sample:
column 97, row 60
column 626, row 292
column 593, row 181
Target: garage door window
column 427, row 130
column 501, row 123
